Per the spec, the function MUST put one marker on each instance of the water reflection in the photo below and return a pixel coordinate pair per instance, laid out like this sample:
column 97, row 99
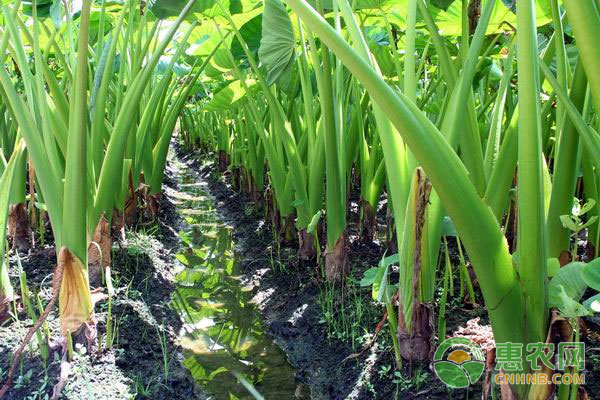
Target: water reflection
column 222, row 330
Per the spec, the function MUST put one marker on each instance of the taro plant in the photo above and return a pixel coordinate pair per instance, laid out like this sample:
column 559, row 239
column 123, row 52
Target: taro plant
column 6, row 179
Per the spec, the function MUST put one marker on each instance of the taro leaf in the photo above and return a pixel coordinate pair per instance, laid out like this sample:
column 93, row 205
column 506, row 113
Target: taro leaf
column 442, row 4
column 377, row 36
column 276, row 50
column 449, row 21
column 43, row 8
column 380, row 278
column 389, row 260
column 568, row 307
column 369, row 276
column 222, row 61
column 380, row 283
column 291, row 85
column 312, row 226
column 228, row 97
column 251, row 31
column 568, row 279
column 179, row 68
column 213, row 73
column 95, row 25
column 235, row 7
column 171, row 8
column 553, row 266
column 591, row 274
column 373, row 4
column 204, row 40
column 166, row 8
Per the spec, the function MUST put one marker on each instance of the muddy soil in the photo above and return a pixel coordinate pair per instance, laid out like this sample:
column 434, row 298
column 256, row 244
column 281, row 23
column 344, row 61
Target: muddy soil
column 144, row 362
column 287, row 292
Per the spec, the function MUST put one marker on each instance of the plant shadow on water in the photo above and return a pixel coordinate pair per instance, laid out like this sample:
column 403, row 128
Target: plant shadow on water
column 222, row 333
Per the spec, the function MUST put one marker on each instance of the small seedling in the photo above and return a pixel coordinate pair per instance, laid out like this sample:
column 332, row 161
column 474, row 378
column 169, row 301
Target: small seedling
column 575, row 223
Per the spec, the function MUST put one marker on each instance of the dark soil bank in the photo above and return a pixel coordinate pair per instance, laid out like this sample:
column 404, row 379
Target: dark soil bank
column 144, row 361
column 288, row 292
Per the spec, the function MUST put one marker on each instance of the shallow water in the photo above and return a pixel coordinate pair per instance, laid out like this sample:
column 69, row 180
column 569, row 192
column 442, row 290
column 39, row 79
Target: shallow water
column 222, row 335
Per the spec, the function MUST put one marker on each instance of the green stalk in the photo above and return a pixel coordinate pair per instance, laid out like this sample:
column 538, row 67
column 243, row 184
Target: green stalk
column 561, row 63
column 588, row 135
column 501, row 178
column 495, row 134
column 75, row 302
column 565, row 172
column 410, row 77
column 6, row 181
column 531, row 217
column 335, row 203
column 584, row 18
column 75, row 204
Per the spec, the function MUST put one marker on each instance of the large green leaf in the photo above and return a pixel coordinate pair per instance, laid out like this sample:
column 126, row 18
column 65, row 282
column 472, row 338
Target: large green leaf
column 222, row 61
column 228, row 97
column 204, row 40
column 180, row 69
column 570, row 280
column 276, row 50
column 251, row 31
column 591, row 274
column 170, row 8
column 43, row 7
column 373, row 4
column 449, row 21
column 568, row 307
column 443, row 4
